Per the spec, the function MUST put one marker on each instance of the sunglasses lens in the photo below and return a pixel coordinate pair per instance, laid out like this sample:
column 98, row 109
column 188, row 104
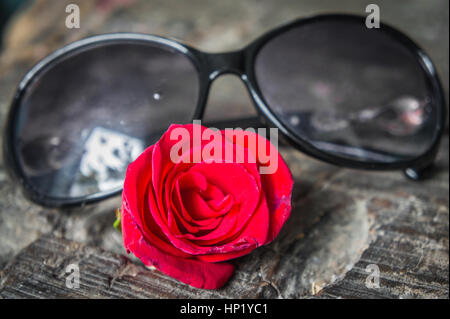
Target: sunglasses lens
column 355, row 92
column 83, row 119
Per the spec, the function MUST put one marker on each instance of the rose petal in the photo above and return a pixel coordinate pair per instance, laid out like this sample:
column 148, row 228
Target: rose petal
column 253, row 235
column 134, row 198
column 199, row 209
column 277, row 187
column 196, row 273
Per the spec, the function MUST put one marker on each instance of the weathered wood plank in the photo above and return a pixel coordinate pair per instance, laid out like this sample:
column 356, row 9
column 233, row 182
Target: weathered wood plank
column 39, row 272
column 411, row 250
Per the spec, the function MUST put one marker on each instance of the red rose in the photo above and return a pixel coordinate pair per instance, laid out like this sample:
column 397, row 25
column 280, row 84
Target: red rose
column 186, row 216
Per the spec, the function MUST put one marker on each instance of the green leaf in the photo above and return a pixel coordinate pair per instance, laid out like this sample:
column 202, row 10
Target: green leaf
column 117, row 225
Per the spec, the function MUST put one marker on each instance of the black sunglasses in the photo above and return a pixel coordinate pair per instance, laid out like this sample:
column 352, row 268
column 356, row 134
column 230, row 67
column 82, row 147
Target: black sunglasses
column 337, row 90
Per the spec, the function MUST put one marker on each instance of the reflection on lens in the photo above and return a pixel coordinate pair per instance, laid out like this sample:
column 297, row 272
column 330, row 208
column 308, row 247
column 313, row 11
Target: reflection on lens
column 84, row 119
column 348, row 90
column 106, row 156
column 401, row 117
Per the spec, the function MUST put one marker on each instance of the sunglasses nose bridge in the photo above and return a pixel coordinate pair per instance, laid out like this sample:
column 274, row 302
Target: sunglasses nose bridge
column 224, row 63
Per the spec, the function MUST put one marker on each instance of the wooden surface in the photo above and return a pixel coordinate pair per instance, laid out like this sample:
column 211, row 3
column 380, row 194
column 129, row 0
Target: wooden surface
column 342, row 220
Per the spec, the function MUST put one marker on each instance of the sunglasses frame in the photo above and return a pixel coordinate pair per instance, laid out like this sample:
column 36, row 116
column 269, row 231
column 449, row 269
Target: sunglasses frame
column 209, row 67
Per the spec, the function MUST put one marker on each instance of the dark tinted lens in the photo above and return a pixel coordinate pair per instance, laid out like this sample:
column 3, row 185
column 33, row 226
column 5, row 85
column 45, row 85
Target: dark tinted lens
column 355, row 92
column 83, row 120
